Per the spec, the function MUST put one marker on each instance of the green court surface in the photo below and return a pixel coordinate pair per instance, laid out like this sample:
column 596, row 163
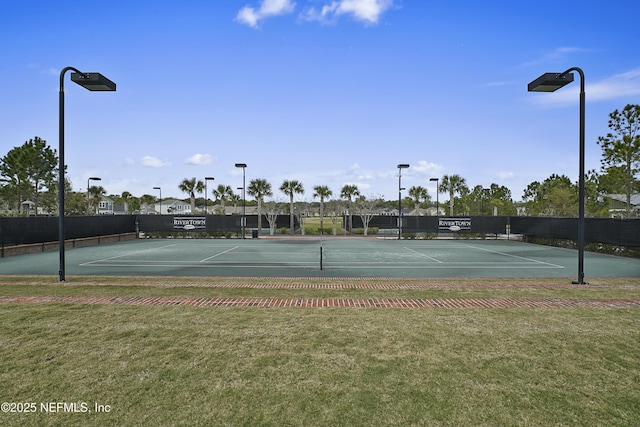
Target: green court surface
column 311, row 257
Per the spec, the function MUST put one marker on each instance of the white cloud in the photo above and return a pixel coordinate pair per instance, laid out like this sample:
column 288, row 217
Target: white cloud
column 362, row 186
column 427, row 168
column 356, row 173
column 251, row 16
column 368, row 11
column 199, row 159
column 154, row 162
column 625, row 84
column 505, row 175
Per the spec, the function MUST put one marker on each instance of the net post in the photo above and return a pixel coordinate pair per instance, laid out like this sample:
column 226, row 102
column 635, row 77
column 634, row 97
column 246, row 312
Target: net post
column 321, row 248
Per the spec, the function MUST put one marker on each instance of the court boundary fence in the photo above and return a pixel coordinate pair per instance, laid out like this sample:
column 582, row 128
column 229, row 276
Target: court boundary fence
column 612, row 231
column 17, row 231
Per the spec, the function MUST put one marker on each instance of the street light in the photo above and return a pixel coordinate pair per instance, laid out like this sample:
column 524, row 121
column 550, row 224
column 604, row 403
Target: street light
column 244, row 218
column 92, row 82
column 437, row 180
column 159, row 189
column 208, row 178
column 550, row 82
column 400, row 167
column 93, row 178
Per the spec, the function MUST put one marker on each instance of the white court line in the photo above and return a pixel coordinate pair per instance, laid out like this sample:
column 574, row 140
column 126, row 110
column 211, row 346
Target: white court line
column 443, row 267
column 423, row 255
column 221, row 253
column 127, row 254
column 516, row 256
column 333, row 266
column 196, row 264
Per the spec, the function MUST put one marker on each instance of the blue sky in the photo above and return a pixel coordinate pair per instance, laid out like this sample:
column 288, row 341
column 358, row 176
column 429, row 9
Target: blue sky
column 328, row 92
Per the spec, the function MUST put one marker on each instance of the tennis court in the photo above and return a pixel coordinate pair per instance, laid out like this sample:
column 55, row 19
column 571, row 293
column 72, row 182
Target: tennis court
column 313, row 257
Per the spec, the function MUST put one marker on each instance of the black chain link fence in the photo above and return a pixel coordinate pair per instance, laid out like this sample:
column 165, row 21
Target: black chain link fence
column 30, row 230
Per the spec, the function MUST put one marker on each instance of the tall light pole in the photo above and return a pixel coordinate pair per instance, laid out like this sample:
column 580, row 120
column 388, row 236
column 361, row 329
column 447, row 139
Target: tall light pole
column 208, row 178
column 159, row 189
column 92, row 82
column 400, row 167
column 93, row 178
column 244, row 201
column 437, row 180
column 550, row 82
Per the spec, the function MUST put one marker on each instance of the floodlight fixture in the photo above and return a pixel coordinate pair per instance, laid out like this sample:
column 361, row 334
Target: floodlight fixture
column 550, row 82
column 92, row 82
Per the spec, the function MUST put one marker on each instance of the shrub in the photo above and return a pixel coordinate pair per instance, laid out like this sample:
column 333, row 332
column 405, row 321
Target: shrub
column 370, row 230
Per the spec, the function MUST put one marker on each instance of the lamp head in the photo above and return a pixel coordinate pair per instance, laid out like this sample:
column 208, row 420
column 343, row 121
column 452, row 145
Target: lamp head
column 550, row 82
column 93, row 82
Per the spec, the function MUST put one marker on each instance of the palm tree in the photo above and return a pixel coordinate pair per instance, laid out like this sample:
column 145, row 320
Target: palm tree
column 259, row 188
column 452, row 184
column 347, row 192
column 418, row 193
column 96, row 192
column 145, row 201
column 126, row 196
column 290, row 188
column 323, row 192
column 223, row 193
column 190, row 186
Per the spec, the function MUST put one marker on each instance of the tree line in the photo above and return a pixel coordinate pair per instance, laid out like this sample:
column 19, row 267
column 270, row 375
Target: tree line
column 28, row 181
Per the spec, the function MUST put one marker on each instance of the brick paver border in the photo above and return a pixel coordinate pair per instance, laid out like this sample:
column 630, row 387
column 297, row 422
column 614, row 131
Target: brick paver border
column 328, row 283
column 327, row 302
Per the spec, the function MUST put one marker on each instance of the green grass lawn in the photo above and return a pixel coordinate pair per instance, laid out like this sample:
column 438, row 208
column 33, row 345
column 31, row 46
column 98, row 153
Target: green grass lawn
column 312, row 224
column 319, row 367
